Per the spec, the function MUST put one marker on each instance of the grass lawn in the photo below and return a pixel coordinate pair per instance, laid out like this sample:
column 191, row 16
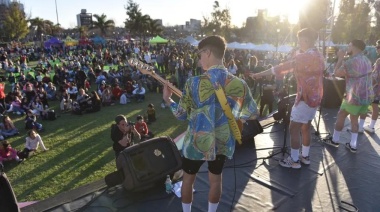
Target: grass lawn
column 80, row 148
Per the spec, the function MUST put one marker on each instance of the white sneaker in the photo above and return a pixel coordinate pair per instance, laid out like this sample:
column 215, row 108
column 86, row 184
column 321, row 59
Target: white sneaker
column 289, row 163
column 369, row 129
column 305, row 160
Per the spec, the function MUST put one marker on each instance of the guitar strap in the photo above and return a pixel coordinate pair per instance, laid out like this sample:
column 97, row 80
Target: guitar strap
column 219, row 92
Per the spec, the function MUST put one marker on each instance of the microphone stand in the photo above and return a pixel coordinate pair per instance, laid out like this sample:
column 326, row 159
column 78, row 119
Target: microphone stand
column 317, row 133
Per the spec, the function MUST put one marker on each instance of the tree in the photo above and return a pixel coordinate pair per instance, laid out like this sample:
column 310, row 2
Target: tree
column 220, row 21
column 137, row 23
column 39, row 25
column 102, row 23
column 154, row 28
column 353, row 22
column 15, row 25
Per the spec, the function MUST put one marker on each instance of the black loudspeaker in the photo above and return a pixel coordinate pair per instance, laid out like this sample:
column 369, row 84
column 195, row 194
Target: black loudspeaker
column 285, row 103
column 8, row 201
column 333, row 92
column 143, row 165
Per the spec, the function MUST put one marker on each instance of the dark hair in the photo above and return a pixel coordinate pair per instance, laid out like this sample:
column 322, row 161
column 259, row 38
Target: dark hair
column 215, row 43
column 119, row 118
column 139, row 117
column 151, row 105
column 308, row 33
column 358, row 44
column 5, row 144
column 30, row 132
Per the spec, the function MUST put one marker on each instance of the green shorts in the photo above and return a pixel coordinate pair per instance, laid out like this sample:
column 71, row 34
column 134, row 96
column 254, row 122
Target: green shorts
column 354, row 109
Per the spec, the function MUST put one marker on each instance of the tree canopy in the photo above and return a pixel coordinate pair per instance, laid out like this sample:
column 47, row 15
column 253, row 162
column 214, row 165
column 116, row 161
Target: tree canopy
column 15, row 25
column 102, row 23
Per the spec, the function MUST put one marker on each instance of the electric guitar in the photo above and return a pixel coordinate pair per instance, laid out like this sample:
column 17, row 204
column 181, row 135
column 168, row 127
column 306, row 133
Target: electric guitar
column 149, row 70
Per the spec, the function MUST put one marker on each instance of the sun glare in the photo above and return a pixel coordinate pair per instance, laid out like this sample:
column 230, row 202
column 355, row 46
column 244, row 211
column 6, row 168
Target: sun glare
column 284, row 8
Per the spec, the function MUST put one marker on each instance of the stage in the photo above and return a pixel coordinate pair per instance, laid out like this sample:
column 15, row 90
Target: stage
column 334, row 176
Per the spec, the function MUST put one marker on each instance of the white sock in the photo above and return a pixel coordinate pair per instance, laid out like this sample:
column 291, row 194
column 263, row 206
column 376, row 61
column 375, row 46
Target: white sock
column 295, row 154
column 361, row 124
column 354, row 138
column 186, row 207
column 305, row 151
column 372, row 125
column 336, row 135
column 212, row 206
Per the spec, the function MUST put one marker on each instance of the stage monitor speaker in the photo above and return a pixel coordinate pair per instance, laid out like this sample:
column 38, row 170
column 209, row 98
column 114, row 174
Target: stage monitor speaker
column 333, row 92
column 147, row 163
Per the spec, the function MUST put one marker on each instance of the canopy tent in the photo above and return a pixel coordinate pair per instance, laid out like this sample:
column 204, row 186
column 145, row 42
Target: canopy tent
column 99, row 40
column 52, row 42
column 157, row 40
column 70, row 42
column 191, row 40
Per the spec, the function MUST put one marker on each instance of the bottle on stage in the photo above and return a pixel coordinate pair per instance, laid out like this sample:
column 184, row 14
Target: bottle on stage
column 168, row 184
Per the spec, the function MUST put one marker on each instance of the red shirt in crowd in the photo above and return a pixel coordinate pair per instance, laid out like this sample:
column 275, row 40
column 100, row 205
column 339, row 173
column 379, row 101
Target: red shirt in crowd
column 142, row 128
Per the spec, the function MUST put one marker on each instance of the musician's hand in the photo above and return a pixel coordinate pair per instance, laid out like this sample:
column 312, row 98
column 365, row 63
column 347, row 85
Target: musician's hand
column 166, row 93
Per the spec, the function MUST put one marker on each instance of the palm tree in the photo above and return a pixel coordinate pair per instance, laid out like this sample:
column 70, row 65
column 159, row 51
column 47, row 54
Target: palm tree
column 139, row 24
column 154, row 28
column 102, row 23
column 38, row 24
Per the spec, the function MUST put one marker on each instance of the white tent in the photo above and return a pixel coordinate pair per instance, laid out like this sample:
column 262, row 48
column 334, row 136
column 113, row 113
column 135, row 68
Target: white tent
column 191, row 40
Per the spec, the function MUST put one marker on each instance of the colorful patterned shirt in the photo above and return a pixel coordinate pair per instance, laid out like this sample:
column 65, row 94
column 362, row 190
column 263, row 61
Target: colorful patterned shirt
column 308, row 70
column 209, row 133
column 359, row 90
column 376, row 79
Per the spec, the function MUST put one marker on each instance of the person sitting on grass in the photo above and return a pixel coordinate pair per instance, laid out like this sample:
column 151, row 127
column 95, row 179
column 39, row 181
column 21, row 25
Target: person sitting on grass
column 31, row 122
column 8, row 128
column 139, row 93
column 142, row 128
column 33, row 140
column 107, row 96
column 94, row 103
column 7, row 153
column 151, row 113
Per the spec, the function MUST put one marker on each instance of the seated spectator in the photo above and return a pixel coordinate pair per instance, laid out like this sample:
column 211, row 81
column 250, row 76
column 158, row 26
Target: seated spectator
column 151, row 113
column 38, row 107
column 31, row 122
column 7, row 153
column 33, row 140
column 16, row 106
column 139, row 93
column 73, row 91
column 116, row 92
column 82, row 99
column 94, row 103
column 66, row 101
column 101, row 88
column 142, row 128
column 8, row 128
column 107, row 96
column 51, row 91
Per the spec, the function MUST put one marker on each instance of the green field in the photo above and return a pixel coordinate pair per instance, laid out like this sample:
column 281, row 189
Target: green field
column 80, row 148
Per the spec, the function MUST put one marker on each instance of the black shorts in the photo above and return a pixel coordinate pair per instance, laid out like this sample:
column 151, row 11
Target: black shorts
column 215, row 166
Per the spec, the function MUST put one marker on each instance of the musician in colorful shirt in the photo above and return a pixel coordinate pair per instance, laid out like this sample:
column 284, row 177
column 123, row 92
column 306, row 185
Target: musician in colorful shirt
column 307, row 68
column 359, row 92
column 375, row 104
column 209, row 136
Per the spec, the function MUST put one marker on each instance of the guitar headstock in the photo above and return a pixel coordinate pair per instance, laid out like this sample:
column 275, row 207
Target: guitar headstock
column 142, row 67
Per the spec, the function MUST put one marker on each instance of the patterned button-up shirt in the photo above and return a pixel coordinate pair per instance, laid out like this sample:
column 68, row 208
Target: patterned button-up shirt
column 209, row 133
column 359, row 90
column 308, row 70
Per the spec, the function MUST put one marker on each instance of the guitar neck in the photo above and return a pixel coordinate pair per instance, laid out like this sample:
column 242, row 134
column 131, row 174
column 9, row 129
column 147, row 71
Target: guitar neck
column 146, row 69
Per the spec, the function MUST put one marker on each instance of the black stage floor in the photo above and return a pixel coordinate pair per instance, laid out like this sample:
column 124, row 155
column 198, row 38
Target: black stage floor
column 335, row 177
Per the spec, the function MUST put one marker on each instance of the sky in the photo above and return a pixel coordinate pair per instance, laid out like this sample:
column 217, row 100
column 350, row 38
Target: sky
column 172, row 12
